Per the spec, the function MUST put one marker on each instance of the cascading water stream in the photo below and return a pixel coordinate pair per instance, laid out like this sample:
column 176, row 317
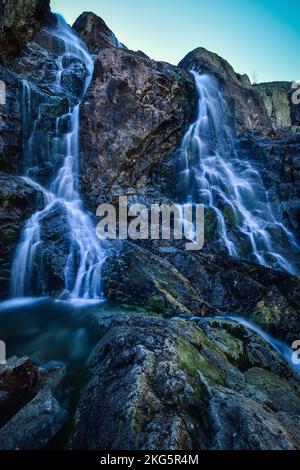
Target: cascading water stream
column 280, row 347
column 86, row 255
column 231, row 188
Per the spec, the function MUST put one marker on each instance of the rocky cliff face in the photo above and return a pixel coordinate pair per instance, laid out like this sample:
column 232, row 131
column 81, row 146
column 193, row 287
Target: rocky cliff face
column 277, row 97
column 134, row 115
column 19, row 21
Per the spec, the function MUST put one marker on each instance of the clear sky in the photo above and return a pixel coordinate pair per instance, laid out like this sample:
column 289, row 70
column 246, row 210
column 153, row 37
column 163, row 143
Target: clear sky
column 253, row 35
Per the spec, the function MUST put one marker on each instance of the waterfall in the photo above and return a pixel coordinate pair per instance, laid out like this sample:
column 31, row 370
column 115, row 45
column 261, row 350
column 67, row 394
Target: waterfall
column 82, row 272
column 248, row 222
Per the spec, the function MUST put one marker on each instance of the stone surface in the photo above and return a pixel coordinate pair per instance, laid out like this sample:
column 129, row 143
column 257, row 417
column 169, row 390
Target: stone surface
column 161, row 384
column 18, row 201
column 19, row 376
column 203, row 283
column 34, row 425
column 277, row 158
column 19, row 20
column 277, row 97
column 94, row 32
column 134, row 114
column 52, row 375
column 247, row 110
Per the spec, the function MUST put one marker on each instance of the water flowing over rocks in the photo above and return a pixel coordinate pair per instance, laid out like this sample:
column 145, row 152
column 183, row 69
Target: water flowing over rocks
column 247, row 110
column 170, row 377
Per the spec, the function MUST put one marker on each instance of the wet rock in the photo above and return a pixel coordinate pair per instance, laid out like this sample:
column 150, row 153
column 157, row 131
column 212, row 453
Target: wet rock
column 19, row 376
column 161, row 384
column 73, row 77
column 10, row 124
column 247, row 109
column 140, row 277
column 56, row 241
column 19, row 383
column 18, row 201
column 239, row 423
column 52, row 375
column 203, row 283
column 34, row 425
column 18, row 23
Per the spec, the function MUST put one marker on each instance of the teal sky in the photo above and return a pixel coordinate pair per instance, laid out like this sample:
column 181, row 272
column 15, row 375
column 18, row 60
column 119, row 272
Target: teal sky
column 253, row 35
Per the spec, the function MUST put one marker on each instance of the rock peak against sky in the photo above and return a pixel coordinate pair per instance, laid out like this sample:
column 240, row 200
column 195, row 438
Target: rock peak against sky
column 260, row 36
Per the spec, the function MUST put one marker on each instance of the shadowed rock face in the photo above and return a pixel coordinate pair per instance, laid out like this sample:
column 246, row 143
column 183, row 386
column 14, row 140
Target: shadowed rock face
column 18, row 201
column 19, row 21
column 134, row 115
column 248, row 111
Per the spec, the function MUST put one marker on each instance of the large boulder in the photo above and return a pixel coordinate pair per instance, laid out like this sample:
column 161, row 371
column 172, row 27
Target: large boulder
column 160, row 384
column 35, row 424
column 19, row 21
column 247, row 109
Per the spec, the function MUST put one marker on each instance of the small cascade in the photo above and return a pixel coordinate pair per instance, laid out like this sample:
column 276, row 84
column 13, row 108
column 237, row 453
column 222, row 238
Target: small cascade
column 248, row 223
column 280, row 347
column 82, row 272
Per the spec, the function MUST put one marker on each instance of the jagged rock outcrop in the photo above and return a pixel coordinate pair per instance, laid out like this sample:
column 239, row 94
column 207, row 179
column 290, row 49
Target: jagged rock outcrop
column 134, row 114
column 94, row 32
column 159, row 384
column 18, row 201
column 277, row 97
column 203, row 283
column 19, row 21
column 247, row 110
